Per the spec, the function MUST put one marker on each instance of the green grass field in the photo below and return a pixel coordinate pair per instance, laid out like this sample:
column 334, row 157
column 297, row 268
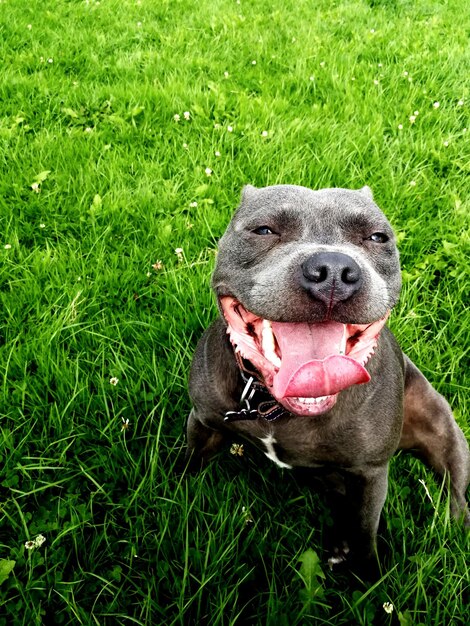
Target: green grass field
column 109, row 221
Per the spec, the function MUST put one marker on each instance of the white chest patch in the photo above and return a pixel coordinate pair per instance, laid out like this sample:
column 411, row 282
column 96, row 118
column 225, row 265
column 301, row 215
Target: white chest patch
column 269, row 442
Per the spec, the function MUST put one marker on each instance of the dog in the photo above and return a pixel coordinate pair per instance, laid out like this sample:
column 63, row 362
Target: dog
column 300, row 362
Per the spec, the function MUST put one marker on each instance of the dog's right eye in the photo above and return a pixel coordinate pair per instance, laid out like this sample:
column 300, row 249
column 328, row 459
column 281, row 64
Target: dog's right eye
column 263, row 230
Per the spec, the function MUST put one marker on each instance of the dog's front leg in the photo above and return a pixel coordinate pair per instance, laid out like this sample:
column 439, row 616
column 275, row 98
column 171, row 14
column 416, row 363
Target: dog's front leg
column 203, row 442
column 430, row 429
column 357, row 518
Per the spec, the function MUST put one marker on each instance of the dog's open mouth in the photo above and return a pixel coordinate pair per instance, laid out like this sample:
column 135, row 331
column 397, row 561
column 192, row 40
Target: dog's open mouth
column 303, row 365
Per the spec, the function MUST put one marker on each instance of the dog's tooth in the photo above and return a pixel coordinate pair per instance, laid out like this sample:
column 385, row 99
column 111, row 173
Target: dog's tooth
column 367, row 356
column 267, row 343
column 318, row 400
column 342, row 347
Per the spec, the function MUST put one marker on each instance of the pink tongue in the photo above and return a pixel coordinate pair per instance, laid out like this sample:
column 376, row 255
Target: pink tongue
column 311, row 365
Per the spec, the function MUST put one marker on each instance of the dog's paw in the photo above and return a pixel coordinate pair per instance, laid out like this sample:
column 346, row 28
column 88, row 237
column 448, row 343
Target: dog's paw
column 363, row 566
column 339, row 557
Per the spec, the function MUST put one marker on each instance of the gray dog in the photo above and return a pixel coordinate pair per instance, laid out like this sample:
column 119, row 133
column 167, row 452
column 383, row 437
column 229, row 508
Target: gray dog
column 301, row 364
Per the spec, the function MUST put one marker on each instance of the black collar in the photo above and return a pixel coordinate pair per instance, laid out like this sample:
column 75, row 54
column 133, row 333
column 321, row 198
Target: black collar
column 255, row 400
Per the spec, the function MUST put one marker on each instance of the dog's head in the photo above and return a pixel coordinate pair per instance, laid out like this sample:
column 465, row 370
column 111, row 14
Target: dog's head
column 306, row 280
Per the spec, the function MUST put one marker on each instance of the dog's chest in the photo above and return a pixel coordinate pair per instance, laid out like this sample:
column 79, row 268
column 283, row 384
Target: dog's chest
column 274, row 452
column 293, row 447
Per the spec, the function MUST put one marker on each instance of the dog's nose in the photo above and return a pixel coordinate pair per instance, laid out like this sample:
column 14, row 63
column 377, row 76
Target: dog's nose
column 331, row 276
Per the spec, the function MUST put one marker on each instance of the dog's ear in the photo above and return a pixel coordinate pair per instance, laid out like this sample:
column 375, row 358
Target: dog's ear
column 248, row 193
column 367, row 192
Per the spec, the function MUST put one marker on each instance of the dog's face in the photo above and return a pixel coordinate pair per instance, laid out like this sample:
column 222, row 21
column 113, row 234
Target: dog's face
column 305, row 280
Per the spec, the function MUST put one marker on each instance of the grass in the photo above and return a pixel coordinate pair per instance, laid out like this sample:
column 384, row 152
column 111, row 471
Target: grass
column 99, row 185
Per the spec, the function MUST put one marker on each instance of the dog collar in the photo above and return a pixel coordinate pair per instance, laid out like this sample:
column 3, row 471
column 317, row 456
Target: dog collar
column 255, row 400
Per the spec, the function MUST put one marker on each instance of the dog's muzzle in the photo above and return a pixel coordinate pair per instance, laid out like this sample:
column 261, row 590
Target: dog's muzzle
column 303, row 365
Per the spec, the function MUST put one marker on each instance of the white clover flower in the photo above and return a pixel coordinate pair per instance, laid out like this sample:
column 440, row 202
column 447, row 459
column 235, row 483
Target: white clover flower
column 372, row 30
column 353, row 78
column 139, row 24
column 7, row 246
column 246, row 513
column 88, row 129
column 226, row 74
column 400, row 126
column 113, row 380
column 412, row 183
column 208, row 171
column 264, row 133
column 312, row 78
column 416, row 113
column 253, row 62
column 217, row 153
column 460, row 103
column 187, row 115
column 376, row 82
column 148, row 274
column 176, row 117
column 179, row 253
column 193, row 205
column 42, row 226
column 29, row 27
column 322, row 63
column 412, row 119
column 379, row 65
column 388, row 607
column 446, row 143
column 157, row 266
column 35, row 543
column 237, row 449
column 405, row 73
column 436, row 105
column 35, row 187
column 229, row 129
column 185, row 146
column 50, row 60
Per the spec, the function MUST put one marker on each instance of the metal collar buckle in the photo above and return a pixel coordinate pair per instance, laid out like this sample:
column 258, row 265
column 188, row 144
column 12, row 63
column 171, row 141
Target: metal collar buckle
column 267, row 407
column 246, row 412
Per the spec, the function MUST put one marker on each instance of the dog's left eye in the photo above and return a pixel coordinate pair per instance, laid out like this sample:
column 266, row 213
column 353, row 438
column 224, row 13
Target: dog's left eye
column 263, row 230
column 379, row 238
